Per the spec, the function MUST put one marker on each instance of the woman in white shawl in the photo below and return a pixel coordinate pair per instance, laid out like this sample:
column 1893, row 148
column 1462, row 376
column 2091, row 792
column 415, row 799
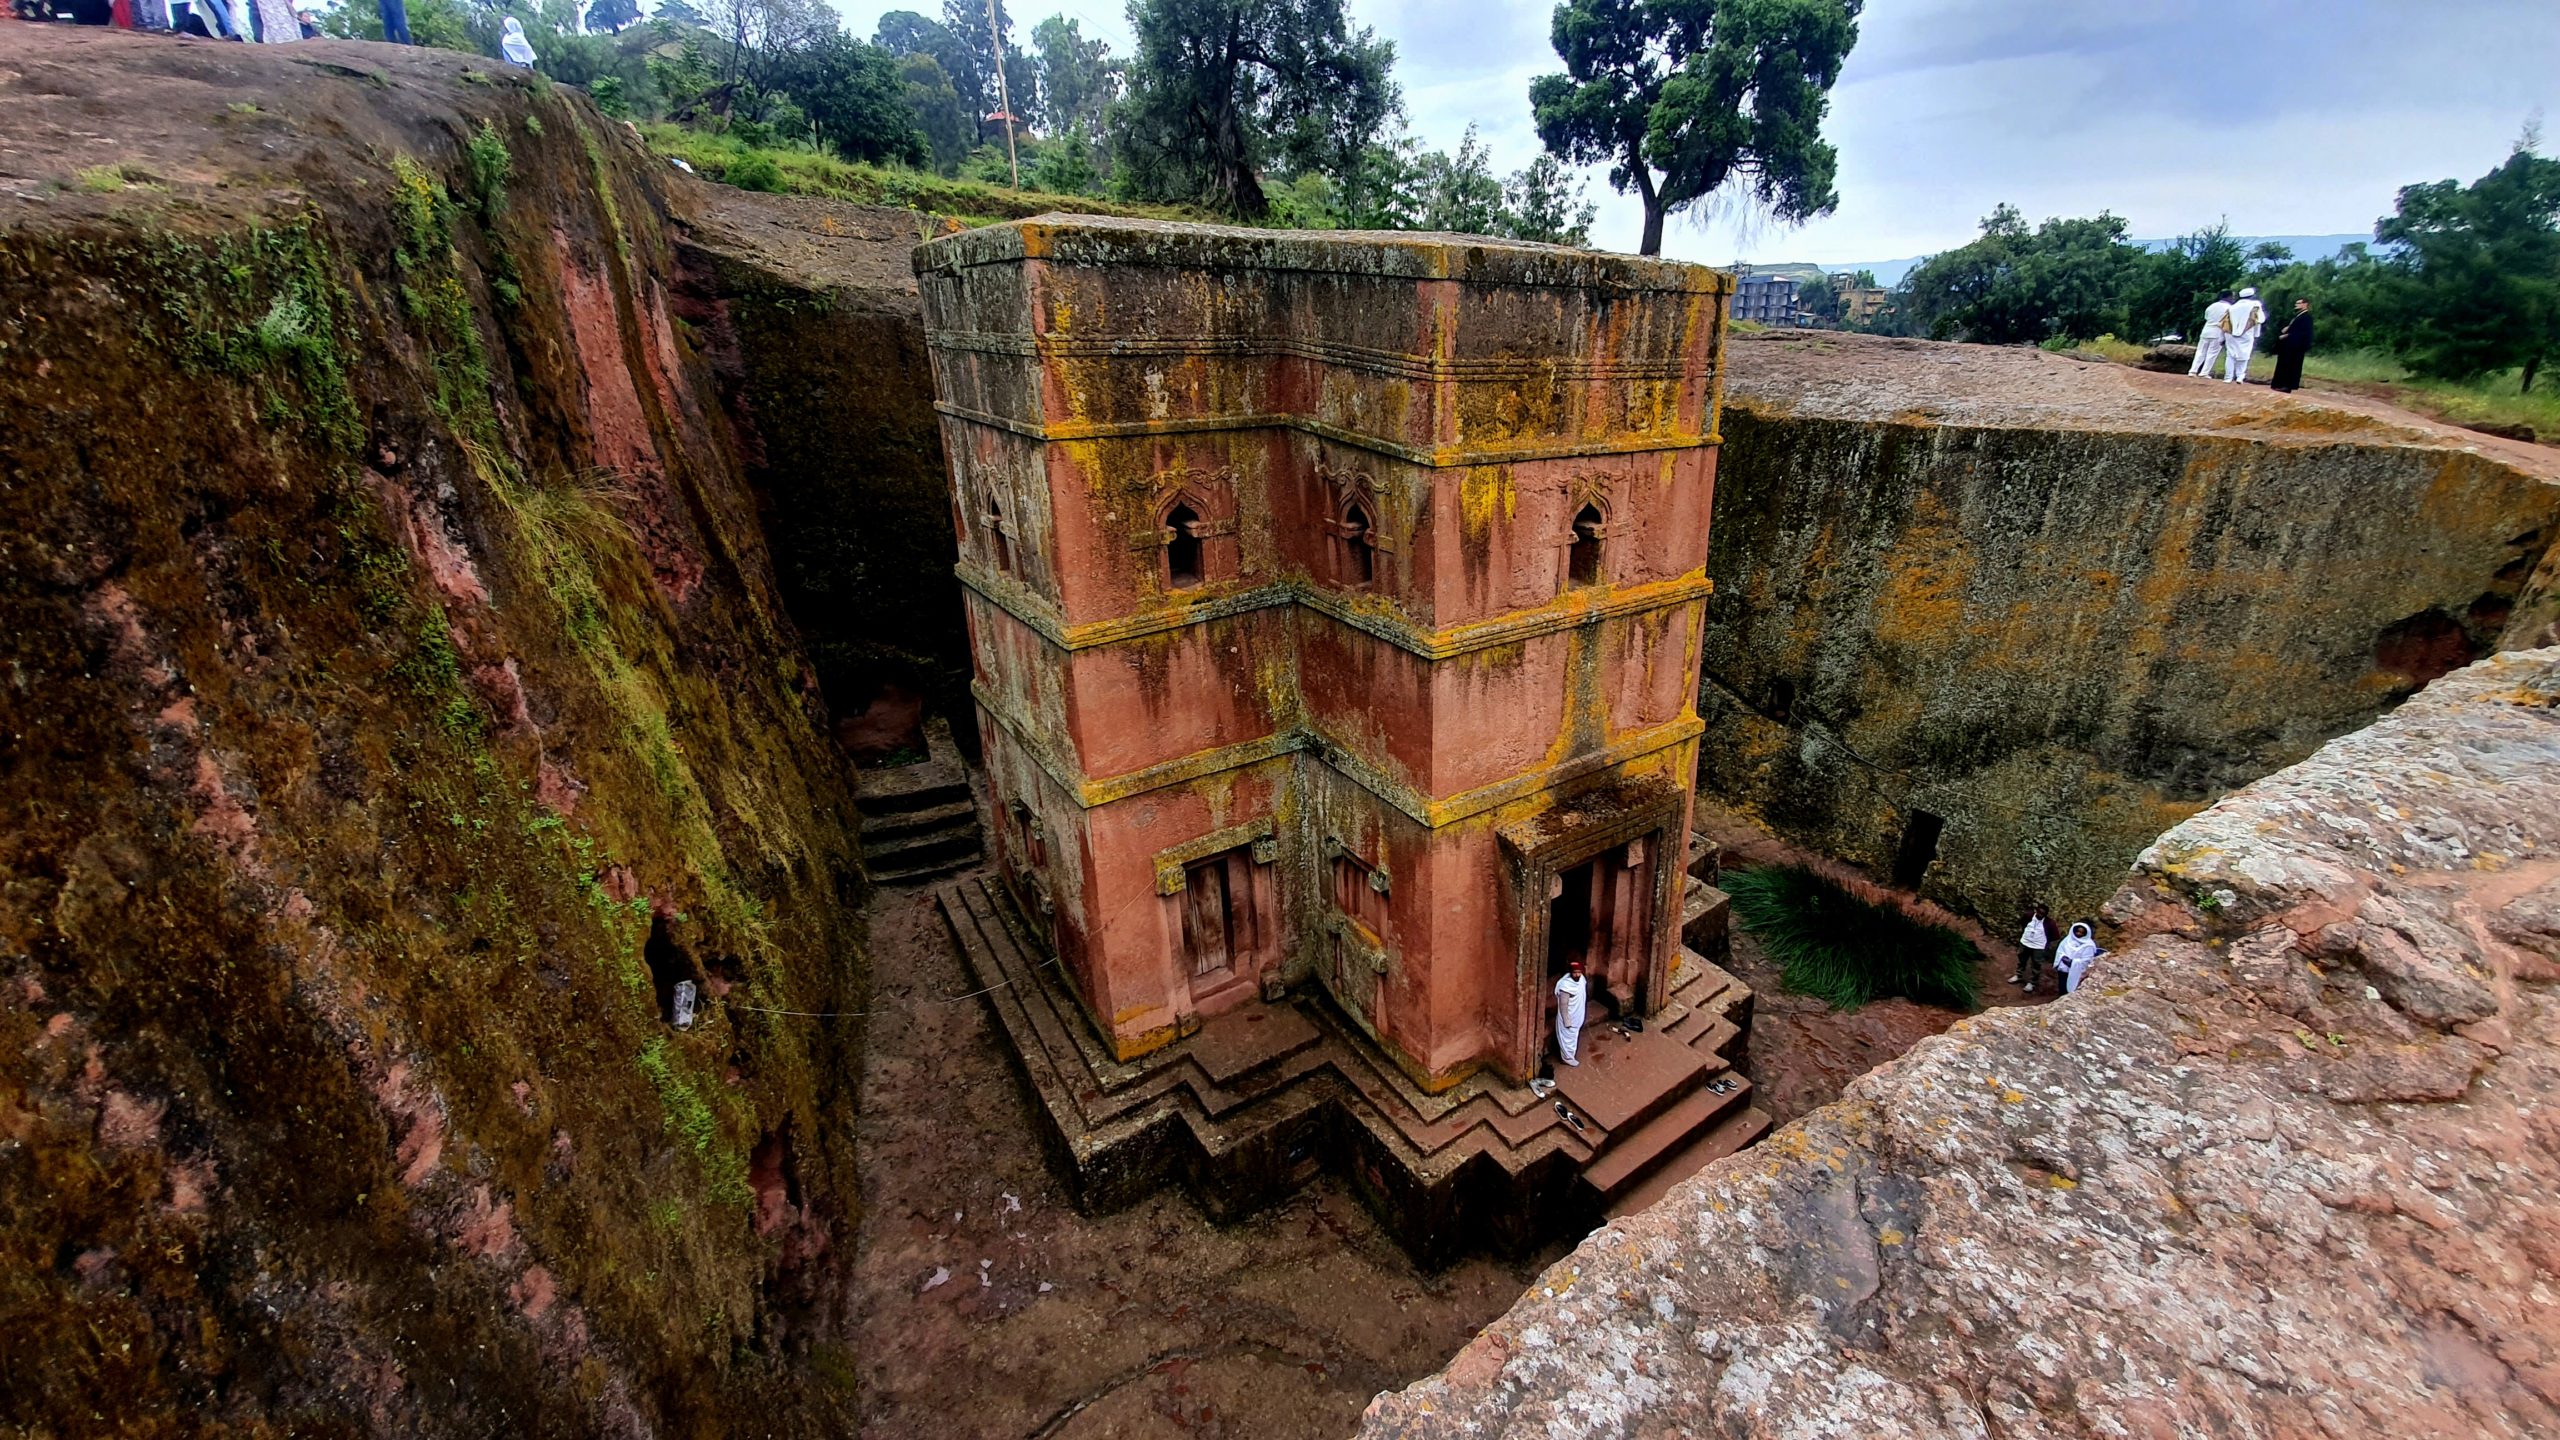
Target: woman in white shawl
column 517, row 49
column 2072, row 959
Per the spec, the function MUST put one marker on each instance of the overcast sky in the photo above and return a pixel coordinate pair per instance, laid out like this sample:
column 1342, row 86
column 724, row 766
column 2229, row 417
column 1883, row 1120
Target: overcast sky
column 2289, row 117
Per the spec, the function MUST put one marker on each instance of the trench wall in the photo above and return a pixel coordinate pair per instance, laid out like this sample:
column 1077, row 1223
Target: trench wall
column 810, row 314
column 2284, row 1166
column 398, row 705
column 2063, row 641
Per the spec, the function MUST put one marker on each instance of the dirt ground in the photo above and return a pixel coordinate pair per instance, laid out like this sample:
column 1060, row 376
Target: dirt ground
column 989, row 1307
column 1802, row 1052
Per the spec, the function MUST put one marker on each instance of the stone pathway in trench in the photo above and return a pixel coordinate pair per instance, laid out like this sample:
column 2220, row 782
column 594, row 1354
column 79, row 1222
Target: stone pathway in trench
column 987, row 1307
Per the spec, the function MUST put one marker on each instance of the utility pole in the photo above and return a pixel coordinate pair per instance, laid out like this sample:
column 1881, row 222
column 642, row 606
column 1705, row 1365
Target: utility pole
column 1004, row 96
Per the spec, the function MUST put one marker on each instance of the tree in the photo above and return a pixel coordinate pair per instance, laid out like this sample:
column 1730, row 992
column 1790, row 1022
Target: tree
column 1220, row 89
column 1460, row 192
column 1078, row 80
column 1546, row 203
column 855, row 97
column 437, row 24
column 2476, row 270
column 968, row 55
column 611, row 15
column 936, row 110
column 678, row 13
column 2177, row 283
column 1679, row 97
column 757, row 36
column 2066, row 279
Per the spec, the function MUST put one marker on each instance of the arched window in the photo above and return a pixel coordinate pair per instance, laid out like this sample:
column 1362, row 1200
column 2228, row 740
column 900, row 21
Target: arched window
column 1584, row 566
column 1359, row 547
column 1182, row 552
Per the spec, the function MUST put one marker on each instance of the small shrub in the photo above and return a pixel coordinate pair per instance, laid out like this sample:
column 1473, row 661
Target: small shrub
column 607, row 92
column 100, row 179
column 1846, row 951
column 485, row 155
column 754, row 170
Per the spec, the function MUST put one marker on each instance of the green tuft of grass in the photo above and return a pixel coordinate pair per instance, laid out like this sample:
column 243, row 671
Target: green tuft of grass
column 1845, row 951
column 485, row 157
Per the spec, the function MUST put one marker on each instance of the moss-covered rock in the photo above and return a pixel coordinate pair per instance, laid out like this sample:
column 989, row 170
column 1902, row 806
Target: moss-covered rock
column 398, row 708
column 2059, row 607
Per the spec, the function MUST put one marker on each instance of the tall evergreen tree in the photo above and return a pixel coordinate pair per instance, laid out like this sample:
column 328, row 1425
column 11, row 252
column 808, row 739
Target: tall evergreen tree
column 1221, row 89
column 1680, row 97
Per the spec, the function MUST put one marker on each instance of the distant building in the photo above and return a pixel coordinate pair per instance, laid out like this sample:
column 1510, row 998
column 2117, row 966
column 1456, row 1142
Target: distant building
column 1857, row 304
column 1767, row 298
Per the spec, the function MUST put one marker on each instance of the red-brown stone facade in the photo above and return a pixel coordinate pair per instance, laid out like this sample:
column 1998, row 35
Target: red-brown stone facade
column 1335, row 606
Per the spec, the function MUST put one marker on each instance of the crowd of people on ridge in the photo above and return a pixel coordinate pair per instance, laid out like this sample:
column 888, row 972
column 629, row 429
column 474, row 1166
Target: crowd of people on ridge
column 268, row 22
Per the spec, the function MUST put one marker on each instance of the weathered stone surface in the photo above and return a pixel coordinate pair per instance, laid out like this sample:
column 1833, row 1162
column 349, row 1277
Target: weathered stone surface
column 2064, row 605
column 2233, row 1187
column 399, row 708
column 1334, row 602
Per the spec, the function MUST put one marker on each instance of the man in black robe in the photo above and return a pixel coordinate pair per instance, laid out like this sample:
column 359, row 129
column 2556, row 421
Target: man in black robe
column 2291, row 346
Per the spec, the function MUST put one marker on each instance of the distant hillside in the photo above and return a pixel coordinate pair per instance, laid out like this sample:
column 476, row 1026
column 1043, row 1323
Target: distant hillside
column 2304, row 247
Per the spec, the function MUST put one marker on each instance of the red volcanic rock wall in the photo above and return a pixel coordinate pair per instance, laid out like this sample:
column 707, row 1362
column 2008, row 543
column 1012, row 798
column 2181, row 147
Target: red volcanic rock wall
column 1271, row 549
column 398, row 710
column 2286, row 1165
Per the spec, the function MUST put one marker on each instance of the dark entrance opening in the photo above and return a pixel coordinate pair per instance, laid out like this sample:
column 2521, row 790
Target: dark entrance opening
column 1919, row 847
column 667, row 967
column 1569, row 920
column 1182, row 552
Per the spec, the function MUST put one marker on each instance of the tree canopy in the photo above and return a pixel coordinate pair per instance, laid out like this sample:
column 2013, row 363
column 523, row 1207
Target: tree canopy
column 2475, row 269
column 1220, row 90
column 1681, row 97
column 2460, row 281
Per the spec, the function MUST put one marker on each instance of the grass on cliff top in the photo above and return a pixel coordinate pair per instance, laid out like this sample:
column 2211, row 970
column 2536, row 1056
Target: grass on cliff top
column 1845, row 951
column 806, row 172
column 2488, row 400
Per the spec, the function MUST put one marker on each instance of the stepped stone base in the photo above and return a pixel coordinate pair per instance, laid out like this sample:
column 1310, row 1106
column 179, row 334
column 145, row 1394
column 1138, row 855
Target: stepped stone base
column 1260, row 1099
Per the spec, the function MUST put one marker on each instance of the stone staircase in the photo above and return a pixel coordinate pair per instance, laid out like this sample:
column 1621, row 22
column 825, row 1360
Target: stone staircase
column 1254, row 1103
column 919, row 822
column 1658, row 1105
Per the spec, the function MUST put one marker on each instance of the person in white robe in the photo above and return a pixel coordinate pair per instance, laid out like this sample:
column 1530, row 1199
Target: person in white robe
column 1572, row 993
column 517, row 49
column 2209, row 344
column 2247, row 318
column 2078, row 949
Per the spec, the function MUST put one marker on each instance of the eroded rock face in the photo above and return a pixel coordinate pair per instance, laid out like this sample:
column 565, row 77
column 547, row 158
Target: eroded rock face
column 396, row 710
column 2287, row 1166
column 2061, row 606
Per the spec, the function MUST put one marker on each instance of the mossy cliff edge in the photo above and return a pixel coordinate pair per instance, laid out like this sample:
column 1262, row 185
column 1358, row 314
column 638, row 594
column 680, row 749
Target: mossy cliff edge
column 2064, row 606
column 398, row 705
